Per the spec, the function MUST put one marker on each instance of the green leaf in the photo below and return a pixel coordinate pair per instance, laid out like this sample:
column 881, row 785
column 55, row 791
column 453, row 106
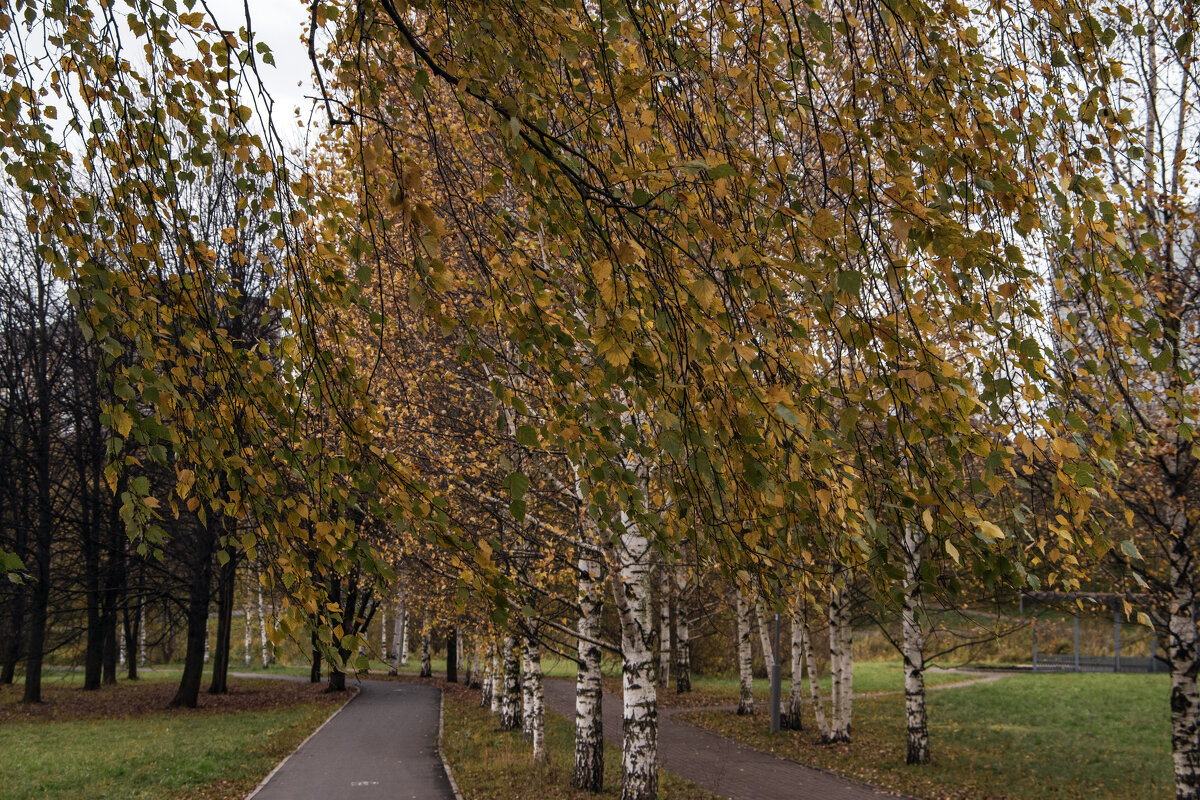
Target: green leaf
column 721, row 171
column 786, row 414
column 1184, row 43
column 527, row 436
column 517, row 509
column 849, row 281
column 518, row 483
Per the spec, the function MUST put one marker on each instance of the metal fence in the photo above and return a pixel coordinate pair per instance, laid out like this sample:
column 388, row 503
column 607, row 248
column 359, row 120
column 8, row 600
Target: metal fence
column 1069, row 662
column 1076, row 662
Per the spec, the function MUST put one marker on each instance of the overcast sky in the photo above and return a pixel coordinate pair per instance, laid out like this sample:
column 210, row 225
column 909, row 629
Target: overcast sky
column 280, row 25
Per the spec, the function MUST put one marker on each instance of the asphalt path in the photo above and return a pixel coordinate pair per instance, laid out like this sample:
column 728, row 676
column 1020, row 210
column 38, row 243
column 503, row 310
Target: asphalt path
column 382, row 744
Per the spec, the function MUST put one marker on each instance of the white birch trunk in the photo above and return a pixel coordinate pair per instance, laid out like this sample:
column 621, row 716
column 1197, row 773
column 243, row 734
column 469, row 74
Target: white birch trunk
column 262, row 622
column 393, row 656
column 383, row 651
column 835, row 668
column 847, row 633
column 664, row 626
column 485, row 689
column 683, row 645
column 426, row 655
column 631, row 552
column 916, row 718
column 526, row 688
column 478, row 654
column 249, row 639
column 841, row 664
column 589, row 725
column 536, row 694
column 847, row 658
column 142, row 637
column 400, row 634
column 794, row 718
column 1183, row 652
column 510, row 700
column 744, row 654
column 814, row 688
column 764, row 636
column 496, row 676
column 120, row 647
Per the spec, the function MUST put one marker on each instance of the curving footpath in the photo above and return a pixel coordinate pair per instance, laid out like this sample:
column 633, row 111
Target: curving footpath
column 721, row 765
column 381, row 744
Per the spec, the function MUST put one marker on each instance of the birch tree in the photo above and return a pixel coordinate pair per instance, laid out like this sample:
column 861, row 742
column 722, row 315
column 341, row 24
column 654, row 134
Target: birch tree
column 666, row 582
column 841, row 662
column 683, row 645
column 1126, row 318
column 588, row 773
column 916, row 720
column 510, row 678
column 793, row 719
column 742, row 640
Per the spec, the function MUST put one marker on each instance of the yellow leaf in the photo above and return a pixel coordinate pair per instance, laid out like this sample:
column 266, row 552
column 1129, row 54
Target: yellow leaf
column 1066, row 448
column 122, row 422
column 952, row 551
column 824, row 224
column 990, row 531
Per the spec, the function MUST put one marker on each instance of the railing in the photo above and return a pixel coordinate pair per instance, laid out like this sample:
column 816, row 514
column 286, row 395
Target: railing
column 1068, row 662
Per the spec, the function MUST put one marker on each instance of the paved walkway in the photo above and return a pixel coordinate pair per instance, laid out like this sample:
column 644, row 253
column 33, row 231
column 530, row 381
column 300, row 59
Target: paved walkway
column 721, row 765
column 382, row 744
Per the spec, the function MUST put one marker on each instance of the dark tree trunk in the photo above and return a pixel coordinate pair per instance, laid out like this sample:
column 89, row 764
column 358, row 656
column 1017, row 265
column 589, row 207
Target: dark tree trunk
column 452, row 656
column 111, row 651
column 10, row 643
column 40, row 607
column 89, row 464
column 337, row 681
column 39, row 611
column 314, row 675
column 115, row 577
column 130, row 629
column 93, row 657
column 197, row 619
column 12, row 634
column 225, row 592
column 43, row 534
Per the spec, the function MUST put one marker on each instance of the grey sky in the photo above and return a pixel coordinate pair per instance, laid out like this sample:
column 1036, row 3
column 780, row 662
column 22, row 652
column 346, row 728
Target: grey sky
column 280, row 24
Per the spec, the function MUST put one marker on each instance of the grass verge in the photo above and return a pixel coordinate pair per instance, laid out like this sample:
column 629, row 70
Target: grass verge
column 870, row 677
column 214, row 754
column 1066, row 737
column 490, row 764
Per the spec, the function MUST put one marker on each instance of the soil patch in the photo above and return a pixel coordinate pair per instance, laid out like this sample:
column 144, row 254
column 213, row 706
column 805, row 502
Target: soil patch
column 131, row 699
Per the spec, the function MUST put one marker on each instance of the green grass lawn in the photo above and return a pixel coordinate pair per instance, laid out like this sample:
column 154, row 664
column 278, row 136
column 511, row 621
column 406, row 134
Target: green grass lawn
column 1026, row 736
column 490, row 764
column 73, row 676
column 870, row 677
column 216, row 754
